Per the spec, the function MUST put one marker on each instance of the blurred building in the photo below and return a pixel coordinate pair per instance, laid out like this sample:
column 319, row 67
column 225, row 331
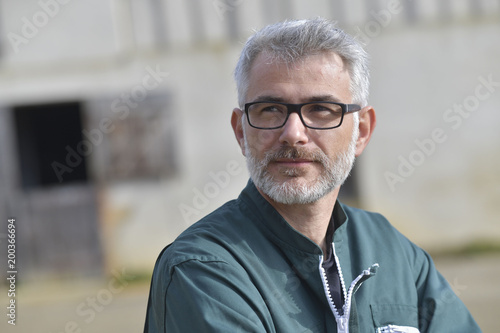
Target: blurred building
column 115, row 135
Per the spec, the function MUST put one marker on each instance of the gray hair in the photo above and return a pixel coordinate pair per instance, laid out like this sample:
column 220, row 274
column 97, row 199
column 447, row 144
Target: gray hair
column 292, row 40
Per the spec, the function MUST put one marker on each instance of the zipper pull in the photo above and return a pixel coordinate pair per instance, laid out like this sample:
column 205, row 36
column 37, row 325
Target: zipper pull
column 343, row 325
column 343, row 322
column 365, row 275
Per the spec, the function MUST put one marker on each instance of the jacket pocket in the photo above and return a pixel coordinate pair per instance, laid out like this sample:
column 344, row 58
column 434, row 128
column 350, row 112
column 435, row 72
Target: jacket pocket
column 395, row 318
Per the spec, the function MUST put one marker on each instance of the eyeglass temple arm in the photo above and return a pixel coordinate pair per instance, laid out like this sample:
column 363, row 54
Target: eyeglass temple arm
column 352, row 108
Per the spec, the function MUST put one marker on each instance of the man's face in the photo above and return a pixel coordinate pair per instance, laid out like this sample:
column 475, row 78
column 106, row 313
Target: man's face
column 295, row 164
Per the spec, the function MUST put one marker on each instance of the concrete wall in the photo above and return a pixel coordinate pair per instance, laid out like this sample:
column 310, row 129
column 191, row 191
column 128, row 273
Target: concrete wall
column 430, row 169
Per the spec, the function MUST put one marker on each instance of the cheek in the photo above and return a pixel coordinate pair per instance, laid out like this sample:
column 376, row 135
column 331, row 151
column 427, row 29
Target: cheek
column 334, row 143
column 259, row 141
column 346, row 132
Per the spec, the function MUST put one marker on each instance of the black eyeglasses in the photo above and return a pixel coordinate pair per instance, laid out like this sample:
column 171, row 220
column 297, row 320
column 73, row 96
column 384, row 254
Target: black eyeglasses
column 315, row 115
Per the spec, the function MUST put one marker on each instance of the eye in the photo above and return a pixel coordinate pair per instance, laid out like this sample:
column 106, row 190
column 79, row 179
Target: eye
column 323, row 108
column 272, row 108
column 319, row 107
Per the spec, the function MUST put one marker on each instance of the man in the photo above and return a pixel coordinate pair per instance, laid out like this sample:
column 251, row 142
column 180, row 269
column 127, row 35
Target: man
column 286, row 256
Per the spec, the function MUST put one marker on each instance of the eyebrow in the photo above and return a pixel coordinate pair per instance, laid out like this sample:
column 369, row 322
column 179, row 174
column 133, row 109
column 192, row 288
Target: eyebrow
column 317, row 98
column 268, row 98
column 324, row 98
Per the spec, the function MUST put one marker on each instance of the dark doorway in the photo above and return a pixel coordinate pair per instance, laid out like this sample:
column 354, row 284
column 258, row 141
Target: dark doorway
column 48, row 136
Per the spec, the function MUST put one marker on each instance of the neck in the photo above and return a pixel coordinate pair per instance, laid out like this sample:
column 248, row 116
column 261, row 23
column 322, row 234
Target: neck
column 312, row 219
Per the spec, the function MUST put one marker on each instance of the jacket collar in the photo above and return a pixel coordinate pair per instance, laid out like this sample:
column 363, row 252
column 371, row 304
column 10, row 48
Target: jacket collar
column 279, row 229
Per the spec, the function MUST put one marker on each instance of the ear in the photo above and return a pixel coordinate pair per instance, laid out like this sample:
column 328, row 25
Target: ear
column 367, row 122
column 236, row 123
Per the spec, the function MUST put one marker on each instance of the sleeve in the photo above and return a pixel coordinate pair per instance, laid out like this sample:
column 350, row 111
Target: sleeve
column 440, row 309
column 205, row 296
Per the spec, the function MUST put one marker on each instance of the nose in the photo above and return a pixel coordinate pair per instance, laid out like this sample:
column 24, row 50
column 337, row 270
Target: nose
column 293, row 133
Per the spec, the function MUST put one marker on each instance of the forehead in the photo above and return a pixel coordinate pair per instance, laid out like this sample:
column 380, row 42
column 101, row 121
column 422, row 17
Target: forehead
column 322, row 74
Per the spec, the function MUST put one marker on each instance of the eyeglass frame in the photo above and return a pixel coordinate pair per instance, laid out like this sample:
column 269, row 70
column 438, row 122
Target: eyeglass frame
column 297, row 108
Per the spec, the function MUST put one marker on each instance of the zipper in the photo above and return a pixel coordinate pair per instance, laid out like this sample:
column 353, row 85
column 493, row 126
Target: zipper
column 397, row 329
column 343, row 321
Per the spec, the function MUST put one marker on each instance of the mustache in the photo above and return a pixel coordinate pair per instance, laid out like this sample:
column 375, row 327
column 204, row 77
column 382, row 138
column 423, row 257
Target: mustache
column 296, row 153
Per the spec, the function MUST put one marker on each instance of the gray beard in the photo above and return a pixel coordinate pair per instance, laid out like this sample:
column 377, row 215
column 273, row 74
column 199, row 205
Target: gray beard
column 291, row 191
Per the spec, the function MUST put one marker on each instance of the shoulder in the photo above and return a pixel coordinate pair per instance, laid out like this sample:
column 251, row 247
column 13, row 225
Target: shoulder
column 362, row 219
column 376, row 234
column 211, row 239
column 199, row 266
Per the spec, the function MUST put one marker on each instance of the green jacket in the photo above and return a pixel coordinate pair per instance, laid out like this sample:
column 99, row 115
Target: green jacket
column 243, row 268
